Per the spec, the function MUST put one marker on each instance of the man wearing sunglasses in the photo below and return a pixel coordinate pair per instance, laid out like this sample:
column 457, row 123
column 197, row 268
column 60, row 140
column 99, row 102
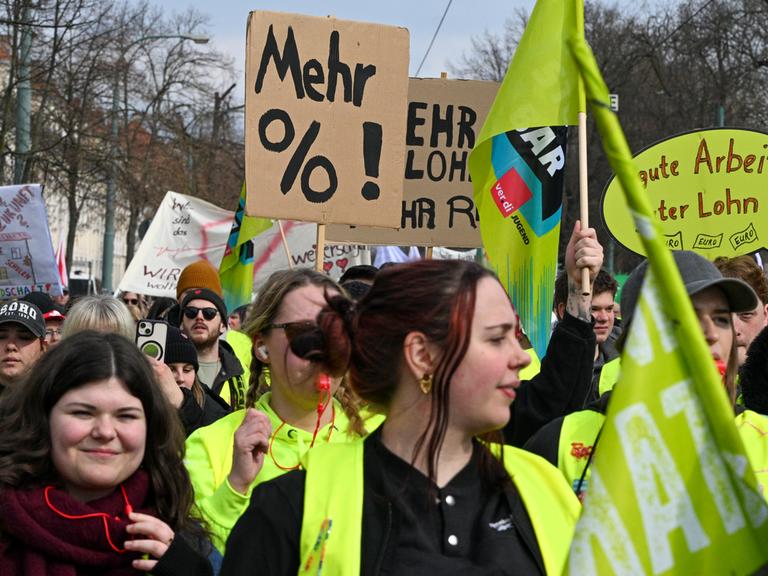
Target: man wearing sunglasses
column 204, row 320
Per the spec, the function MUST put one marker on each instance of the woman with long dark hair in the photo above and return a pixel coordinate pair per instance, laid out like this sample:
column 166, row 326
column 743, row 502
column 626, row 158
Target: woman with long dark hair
column 434, row 345
column 91, row 472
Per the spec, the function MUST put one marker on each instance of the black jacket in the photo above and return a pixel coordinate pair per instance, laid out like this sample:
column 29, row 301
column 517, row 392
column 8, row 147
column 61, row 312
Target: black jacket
column 561, row 387
column 194, row 416
column 267, row 536
column 231, row 374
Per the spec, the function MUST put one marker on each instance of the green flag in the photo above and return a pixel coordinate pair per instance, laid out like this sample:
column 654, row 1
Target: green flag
column 236, row 269
column 518, row 163
column 671, row 490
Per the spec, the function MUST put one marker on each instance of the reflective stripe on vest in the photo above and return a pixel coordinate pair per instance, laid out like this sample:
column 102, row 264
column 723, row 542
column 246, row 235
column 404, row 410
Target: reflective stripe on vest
column 609, row 375
column 577, row 437
column 331, row 530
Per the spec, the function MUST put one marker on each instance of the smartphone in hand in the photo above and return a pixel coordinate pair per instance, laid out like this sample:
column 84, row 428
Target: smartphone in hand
column 151, row 336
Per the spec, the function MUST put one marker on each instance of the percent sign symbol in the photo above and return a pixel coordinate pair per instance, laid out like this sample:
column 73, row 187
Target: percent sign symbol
column 299, row 157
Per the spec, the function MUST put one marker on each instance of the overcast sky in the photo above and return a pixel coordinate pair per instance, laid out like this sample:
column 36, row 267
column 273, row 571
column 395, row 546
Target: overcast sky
column 465, row 18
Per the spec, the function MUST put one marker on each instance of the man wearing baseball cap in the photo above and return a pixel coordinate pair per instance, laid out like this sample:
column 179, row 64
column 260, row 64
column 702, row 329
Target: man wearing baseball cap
column 203, row 320
column 22, row 340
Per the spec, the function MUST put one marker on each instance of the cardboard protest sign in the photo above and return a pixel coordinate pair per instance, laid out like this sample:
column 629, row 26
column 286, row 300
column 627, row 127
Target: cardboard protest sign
column 184, row 229
column 27, row 262
column 444, row 117
column 709, row 191
column 270, row 255
column 325, row 119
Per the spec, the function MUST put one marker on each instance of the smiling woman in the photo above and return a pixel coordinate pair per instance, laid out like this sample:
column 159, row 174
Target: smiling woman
column 91, row 473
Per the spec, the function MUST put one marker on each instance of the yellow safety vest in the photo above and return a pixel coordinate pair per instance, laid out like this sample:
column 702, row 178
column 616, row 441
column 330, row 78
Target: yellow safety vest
column 577, row 439
column 331, row 530
column 609, row 375
column 533, row 368
column 753, row 429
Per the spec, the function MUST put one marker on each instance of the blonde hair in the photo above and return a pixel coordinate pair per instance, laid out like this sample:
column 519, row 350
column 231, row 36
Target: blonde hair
column 100, row 313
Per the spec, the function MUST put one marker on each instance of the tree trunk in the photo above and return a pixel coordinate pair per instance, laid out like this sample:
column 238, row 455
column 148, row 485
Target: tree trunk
column 130, row 238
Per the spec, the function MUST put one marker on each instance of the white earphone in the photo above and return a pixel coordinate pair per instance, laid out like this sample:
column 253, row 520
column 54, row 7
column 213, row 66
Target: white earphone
column 263, row 351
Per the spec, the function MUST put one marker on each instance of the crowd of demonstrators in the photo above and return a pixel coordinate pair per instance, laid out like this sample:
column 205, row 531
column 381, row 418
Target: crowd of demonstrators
column 432, row 345
column 392, row 402
column 290, row 405
column 91, row 476
column 570, row 442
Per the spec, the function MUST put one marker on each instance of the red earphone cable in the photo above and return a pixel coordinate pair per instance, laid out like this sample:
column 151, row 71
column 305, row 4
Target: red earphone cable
column 102, row 515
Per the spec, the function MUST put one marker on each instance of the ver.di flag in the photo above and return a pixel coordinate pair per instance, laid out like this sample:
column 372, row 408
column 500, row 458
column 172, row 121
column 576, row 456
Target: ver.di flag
column 236, row 269
column 671, row 490
column 518, row 164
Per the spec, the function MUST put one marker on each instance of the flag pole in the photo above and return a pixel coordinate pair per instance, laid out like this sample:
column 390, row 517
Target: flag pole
column 586, row 289
column 320, row 248
column 285, row 244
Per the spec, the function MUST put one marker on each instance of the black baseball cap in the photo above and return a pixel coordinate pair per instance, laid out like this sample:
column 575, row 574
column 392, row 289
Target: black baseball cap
column 24, row 313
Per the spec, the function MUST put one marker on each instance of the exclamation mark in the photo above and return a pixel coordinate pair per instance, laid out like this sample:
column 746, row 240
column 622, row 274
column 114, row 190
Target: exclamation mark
column 371, row 157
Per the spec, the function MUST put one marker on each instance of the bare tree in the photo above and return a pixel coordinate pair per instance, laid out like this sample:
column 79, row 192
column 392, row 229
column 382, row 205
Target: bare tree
column 674, row 67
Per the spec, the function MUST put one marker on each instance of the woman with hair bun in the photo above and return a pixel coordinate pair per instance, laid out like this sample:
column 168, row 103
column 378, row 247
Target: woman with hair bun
column 434, row 345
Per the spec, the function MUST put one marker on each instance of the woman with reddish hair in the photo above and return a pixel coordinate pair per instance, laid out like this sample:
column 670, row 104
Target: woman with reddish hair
column 434, row 346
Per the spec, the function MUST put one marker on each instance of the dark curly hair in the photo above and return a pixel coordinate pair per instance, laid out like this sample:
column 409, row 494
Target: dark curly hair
column 25, row 442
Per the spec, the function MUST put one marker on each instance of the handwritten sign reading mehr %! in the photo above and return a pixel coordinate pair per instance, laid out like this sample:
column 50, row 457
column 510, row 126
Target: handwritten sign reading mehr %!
column 325, row 119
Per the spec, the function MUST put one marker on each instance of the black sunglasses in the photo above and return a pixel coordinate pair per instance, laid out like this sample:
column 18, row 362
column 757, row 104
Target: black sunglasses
column 192, row 311
column 134, row 301
column 305, row 339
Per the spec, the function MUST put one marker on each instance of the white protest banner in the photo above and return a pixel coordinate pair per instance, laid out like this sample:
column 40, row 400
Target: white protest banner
column 325, row 117
column 270, row 256
column 27, row 262
column 184, row 229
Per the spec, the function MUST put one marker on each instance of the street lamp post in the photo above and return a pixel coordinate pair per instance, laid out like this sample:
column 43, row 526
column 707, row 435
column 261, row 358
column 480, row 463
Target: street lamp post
column 108, row 251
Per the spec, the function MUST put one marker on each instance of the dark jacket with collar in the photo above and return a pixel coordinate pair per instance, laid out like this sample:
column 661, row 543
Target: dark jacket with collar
column 562, row 385
column 231, row 374
column 194, row 416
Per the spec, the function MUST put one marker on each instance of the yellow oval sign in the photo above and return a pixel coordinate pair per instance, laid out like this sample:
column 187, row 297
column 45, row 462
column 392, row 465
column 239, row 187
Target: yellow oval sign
column 708, row 189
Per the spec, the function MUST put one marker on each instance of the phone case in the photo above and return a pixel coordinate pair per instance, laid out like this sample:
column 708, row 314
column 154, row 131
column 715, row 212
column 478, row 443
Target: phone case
column 151, row 336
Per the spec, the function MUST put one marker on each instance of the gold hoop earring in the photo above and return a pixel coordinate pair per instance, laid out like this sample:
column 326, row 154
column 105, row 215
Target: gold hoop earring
column 425, row 383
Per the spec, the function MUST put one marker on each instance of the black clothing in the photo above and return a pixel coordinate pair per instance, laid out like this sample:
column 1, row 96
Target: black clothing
column 231, row 373
column 183, row 558
column 753, row 376
column 409, row 526
column 563, row 384
column 193, row 416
